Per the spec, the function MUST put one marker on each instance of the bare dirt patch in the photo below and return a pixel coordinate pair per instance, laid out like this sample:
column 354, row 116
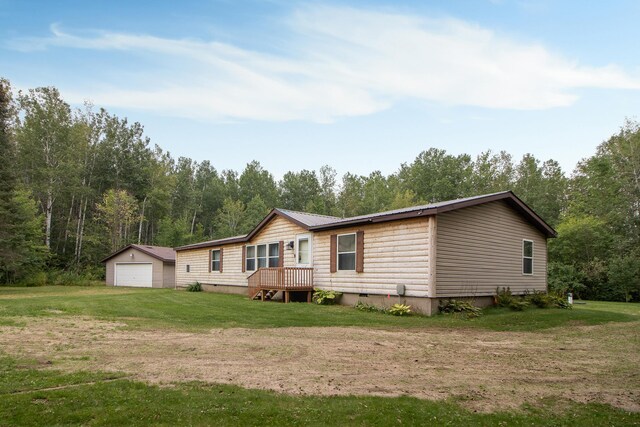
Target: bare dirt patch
column 486, row 370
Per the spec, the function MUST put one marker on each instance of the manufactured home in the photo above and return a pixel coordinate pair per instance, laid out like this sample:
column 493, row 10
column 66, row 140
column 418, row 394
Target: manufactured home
column 463, row 248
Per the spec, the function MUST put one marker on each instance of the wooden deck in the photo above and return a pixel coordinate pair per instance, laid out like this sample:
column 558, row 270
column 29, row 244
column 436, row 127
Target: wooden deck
column 266, row 282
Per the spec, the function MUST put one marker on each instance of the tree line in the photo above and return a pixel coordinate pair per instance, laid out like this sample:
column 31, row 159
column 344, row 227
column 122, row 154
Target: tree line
column 81, row 183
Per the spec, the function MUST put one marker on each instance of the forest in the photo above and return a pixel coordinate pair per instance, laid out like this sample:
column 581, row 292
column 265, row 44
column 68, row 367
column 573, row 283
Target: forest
column 80, row 183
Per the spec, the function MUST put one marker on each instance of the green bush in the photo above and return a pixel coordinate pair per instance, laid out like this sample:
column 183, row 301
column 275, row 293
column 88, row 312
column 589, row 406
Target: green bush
column 503, row 297
column 362, row 306
column 323, row 297
column 559, row 301
column 540, row 299
column 399, row 310
column 459, row 306
column 519, row 304
column 36, row 279
column 194, row 287
column 71, row 278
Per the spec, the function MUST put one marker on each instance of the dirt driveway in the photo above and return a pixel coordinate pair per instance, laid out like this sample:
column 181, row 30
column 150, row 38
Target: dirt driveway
column 487, row 371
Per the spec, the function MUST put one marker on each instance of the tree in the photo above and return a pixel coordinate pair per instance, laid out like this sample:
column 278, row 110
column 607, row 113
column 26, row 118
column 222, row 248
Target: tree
column 117, row 212
column 255, row 212
column 542, row 187
column 21, row 248
column 301, row 190
column 435, row 176
column 327, row 181
column 45, row 151
column 624, row 276
column 351, row 195
column 492, row 173
column 229, row 218
column 256, row 181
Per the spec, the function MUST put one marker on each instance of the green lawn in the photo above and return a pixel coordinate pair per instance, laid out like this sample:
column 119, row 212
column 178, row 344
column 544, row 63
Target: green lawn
column 32, row 393
column 27, row 398
column 154, row 308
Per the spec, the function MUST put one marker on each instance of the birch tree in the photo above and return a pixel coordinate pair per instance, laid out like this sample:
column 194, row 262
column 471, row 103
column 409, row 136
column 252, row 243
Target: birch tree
column 45, row 149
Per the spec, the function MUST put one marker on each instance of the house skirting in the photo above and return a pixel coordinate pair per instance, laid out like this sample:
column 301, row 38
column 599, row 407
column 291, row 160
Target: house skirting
column 422, row 305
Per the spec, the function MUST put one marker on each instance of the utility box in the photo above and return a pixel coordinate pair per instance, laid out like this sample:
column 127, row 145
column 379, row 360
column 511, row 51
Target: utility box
column 400, row 290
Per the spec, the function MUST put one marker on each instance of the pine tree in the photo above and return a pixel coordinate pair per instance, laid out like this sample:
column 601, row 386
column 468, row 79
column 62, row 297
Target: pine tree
column 21, row 250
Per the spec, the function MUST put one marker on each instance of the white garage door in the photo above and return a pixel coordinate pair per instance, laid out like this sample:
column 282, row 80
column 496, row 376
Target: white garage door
column 134, row 274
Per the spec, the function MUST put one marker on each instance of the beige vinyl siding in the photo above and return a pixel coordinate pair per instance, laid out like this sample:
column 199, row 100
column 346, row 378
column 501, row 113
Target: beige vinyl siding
column 394, row 253
column 198, row 261
column 169, row 275
column 480, row 248
column 158, row 269
column 278, row 229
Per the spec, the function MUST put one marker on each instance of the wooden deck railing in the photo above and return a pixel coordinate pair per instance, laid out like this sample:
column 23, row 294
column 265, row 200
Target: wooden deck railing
column 280, row 278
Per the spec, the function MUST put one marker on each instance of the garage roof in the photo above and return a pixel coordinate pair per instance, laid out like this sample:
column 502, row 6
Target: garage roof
column 160, row 252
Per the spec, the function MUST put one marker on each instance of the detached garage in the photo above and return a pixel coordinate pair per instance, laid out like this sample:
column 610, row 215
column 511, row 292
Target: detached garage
column 141, row 266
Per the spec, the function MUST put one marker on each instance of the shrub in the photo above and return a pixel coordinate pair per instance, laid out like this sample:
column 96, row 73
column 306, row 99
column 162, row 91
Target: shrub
column 459, row 306
column 362, row 306
column 323, row 297
column 503, row 297
column 399, row 310
column 560, row 301
column 540, row 299
column 519, row 304
column 194, row 287
column 36, row 279
column 72, row 278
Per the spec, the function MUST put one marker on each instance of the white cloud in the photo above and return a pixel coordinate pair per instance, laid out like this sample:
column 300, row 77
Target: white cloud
column 341, row 62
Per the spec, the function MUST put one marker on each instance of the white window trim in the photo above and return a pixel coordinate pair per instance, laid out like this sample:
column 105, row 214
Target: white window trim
column 310, row 239
column 354, row 252
column 526, row 257
column 255, row 251
column 212, row 260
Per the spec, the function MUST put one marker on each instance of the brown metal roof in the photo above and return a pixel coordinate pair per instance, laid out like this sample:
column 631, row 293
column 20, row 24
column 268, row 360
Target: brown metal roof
column 160, row 252
column 309, row 219
column 315, row 222
column 441, row 207
column 212, row 243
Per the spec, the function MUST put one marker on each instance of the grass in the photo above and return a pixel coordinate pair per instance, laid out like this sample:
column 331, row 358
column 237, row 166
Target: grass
column 32, row 392
column 26, row 398
column 166, row 308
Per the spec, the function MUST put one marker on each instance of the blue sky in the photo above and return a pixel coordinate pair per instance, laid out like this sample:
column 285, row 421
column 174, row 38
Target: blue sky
column 361, row 86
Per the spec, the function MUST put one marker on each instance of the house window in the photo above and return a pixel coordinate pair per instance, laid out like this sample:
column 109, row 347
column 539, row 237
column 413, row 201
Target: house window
column 274, row 254
column 527, row 257
column 251, row 258
column 188, row 268
column 303, row 249
column 260, row 256
column 347, row 252
column 215, row 260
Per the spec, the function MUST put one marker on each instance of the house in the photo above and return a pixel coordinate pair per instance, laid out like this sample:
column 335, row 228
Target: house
column 461, row 248
column 141, row 266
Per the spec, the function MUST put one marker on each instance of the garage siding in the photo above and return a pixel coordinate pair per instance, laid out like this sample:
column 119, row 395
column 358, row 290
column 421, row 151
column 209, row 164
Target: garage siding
column 125, row 257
